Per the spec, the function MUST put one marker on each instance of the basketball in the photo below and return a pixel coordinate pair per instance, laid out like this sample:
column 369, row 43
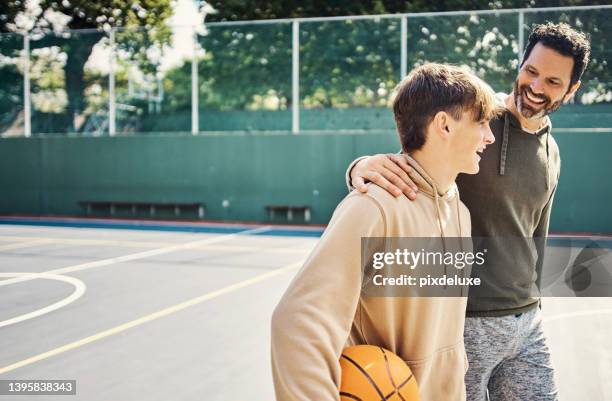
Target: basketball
column 372, row 373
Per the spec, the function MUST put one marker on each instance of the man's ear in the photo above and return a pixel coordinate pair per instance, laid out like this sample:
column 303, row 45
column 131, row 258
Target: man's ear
column 441, row 124
column 571, row 92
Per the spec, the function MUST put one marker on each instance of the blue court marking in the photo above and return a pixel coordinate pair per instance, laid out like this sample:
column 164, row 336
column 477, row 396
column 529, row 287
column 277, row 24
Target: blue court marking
column 164, row 226
column 580, row 242
column 283, row 232
column 219, row 228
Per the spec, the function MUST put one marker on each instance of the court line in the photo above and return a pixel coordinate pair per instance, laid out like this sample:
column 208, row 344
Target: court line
column 138, row 255
column 79, row 290
column 81, row 241
column 577, row 314
column 148, row 318
column 24, row 244
column 136, row 244
column 257, row 249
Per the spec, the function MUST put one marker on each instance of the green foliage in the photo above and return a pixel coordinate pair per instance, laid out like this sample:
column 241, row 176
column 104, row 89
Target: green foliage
column 343, row 64
column 142, row 25
column 110, row 13
column 9, row 9
column 238, row 10
column 357, row 63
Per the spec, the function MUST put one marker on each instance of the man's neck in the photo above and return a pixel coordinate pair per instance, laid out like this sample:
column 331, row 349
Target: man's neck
column 443, row 175
column 528, row 124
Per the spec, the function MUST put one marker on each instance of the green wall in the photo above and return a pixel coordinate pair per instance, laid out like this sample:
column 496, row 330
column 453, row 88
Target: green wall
column 49, row 175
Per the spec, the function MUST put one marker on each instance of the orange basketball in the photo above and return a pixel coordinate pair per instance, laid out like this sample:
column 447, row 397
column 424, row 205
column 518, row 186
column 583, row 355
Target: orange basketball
column 372, row 373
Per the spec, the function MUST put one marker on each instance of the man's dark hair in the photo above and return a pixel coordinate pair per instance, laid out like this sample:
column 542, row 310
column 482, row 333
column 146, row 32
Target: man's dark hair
column 564, row 40
column 432, row 88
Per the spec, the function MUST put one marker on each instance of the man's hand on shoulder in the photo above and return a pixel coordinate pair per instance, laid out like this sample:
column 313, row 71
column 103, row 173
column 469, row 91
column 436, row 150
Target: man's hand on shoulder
column 389, row 172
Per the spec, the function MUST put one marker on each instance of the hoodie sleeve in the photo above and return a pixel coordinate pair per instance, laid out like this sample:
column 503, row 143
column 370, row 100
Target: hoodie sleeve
column 541, row 229
column 312, row 322
column 540, row 233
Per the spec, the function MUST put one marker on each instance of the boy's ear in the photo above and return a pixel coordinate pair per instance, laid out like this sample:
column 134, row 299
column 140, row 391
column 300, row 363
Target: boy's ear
column 441, row 124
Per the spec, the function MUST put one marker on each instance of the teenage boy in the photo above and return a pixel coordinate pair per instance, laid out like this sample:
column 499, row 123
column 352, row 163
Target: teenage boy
column 511, row 197
column 442, row 113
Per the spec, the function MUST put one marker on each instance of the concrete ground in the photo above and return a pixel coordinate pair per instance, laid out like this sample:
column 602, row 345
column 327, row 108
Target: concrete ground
column 159, row 315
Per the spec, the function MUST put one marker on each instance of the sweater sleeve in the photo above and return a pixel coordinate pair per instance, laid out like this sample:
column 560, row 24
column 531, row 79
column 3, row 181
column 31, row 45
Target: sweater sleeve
column 312, row 322
column 540, row 233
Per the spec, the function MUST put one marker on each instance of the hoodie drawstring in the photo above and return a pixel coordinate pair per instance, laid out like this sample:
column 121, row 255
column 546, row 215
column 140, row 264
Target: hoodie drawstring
column 547, row 160
column 460, row 235
column 504, row 146
column 439, row 215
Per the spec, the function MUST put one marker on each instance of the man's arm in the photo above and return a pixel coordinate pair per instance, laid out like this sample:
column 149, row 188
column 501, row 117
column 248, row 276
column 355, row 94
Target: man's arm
column 389, row 172
column 312, row 322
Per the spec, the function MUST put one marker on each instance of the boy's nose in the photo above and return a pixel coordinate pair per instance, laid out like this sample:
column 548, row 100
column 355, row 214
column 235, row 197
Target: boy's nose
column 489, row 137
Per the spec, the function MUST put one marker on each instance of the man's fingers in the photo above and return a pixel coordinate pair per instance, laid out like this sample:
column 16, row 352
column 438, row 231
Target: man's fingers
column 404, row 183
column 382, row 182
column 399, row 183
column 400, row 160
column 401, row 179
column 359, row 184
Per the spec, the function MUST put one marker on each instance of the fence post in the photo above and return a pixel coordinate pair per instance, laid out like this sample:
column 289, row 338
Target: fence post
column 27, row 105
column 195, row 107
column 112, row 127
column 521, row 36
column 404, row 54
column 295, row 79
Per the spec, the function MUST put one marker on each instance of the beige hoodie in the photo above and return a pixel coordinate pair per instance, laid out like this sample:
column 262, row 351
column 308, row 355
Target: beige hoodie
column 324, row 309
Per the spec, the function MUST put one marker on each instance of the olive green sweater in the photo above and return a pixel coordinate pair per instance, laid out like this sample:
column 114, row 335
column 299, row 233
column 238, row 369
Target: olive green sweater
column 510, row 199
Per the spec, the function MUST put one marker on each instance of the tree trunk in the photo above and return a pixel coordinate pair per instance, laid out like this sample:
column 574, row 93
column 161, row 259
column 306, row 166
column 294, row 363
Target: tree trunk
column 78, row 50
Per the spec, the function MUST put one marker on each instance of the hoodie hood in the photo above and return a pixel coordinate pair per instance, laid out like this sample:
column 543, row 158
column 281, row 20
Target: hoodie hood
column 426, row 184
column 428, row 187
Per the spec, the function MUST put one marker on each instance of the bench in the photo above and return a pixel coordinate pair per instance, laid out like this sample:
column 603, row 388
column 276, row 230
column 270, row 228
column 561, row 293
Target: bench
column 134, row 206
column 288, row 210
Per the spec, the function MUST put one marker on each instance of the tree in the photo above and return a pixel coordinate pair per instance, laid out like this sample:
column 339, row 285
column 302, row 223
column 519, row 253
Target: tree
column 356, row 63
column 9, row 10
column 11, row 87
column 144, row 24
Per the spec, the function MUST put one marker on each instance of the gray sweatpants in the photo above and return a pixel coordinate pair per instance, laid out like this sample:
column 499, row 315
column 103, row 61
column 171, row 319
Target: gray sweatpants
column 508, row 357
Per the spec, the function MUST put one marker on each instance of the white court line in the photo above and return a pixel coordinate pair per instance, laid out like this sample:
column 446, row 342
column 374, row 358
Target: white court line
column 24, row 244
column 577, row 314
column 80, row 241
column 79, row 290
column 148, row 318
column 139, row 255
column 132, row 244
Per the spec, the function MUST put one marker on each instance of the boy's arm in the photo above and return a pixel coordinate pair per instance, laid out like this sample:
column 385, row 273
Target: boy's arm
column 312, row 322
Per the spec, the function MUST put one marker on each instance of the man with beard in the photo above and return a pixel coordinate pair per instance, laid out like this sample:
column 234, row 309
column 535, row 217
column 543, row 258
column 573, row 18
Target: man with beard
column 510, row 197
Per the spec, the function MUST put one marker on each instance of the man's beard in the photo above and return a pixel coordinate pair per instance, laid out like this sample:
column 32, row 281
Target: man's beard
column 528, row 111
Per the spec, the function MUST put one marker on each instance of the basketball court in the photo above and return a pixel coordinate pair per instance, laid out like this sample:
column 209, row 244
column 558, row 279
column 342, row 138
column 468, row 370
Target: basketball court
column 142, row 314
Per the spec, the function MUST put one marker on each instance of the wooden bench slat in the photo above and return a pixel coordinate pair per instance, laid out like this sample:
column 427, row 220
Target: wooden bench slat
column 134, row 205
